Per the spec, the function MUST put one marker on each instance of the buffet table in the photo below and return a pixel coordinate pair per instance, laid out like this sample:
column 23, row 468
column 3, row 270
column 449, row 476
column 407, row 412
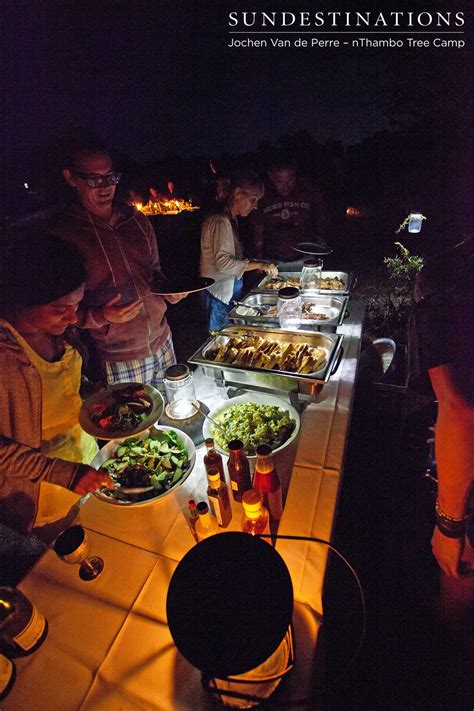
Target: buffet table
column 109, row 646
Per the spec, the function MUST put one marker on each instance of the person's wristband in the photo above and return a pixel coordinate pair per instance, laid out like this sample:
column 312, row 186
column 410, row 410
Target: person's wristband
column 457, row 531
column 446, row 517
column 450, row 526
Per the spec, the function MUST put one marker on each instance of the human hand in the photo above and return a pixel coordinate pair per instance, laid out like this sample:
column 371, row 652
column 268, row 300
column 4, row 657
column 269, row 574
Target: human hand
column 90, row 480
column 120, row 314
column 447, row 552
column 270, row 269
column 174, row 298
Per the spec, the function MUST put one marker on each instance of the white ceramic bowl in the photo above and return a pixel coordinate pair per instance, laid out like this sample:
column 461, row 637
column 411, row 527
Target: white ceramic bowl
column 261, row 399
column 109, row 449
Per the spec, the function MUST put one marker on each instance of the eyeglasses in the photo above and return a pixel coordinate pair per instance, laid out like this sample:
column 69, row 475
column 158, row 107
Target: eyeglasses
column 99, row 181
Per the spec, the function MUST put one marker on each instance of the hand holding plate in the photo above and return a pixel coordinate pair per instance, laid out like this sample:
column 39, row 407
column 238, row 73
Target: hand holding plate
column 120, row 314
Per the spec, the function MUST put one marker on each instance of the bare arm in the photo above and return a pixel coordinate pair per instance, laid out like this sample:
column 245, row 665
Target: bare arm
column 454, row 438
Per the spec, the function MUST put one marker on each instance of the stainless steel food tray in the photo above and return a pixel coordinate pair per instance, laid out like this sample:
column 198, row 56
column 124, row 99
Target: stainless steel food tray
column 346, row 277
column 332, row 306
column 249, row 377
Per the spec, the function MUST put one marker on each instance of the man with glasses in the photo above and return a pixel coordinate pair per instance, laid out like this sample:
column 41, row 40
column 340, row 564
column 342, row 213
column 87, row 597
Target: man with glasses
column 127, row 322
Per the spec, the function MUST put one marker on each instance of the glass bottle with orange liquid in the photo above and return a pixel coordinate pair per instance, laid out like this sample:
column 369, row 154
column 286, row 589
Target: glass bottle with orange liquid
column 239, row 469
column 212, row 458
column 219, row 498
column 255, row 518
column 265, row 480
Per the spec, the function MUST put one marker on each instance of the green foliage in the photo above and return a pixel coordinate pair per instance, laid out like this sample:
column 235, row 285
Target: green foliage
column 404, row 266
column 389, row 299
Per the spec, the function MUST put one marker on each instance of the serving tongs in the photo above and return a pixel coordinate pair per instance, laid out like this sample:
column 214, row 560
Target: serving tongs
column 254, row 307
column 105, row 492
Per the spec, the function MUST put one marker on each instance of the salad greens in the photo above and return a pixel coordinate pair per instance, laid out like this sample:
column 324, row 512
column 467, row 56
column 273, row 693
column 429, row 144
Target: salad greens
column 160, row 461
column 254, row 424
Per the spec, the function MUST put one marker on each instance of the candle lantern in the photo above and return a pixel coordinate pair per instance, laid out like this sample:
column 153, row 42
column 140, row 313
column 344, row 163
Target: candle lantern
column 229, row 609
column 180, row 393
column 415, row 222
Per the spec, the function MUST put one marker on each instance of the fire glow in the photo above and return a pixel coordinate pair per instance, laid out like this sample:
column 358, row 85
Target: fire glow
column 165, row 207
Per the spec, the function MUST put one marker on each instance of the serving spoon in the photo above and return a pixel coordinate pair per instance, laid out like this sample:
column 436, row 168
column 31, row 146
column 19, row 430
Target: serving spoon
column 216, row 424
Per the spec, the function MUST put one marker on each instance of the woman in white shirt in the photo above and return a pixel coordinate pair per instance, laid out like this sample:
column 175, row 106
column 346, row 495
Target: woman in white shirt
column 221, row 250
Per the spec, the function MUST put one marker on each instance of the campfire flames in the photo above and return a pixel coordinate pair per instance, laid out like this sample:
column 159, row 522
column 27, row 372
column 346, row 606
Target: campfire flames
column 164, row 207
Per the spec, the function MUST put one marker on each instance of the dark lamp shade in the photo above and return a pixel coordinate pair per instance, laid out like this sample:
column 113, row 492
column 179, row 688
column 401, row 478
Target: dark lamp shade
column 229, row 604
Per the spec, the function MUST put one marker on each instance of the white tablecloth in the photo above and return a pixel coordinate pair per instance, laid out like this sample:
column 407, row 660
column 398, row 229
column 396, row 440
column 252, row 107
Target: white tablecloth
column 109, row 646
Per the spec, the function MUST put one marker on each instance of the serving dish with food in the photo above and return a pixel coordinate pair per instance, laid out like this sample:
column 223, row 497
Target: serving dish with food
column 120, row 410
column 270, row 359
column 254, row 418
column 334, row 282
column 318, row 310
column 146, row 467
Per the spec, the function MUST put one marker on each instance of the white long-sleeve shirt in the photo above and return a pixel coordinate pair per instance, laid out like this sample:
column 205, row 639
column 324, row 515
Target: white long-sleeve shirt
column 221, row 255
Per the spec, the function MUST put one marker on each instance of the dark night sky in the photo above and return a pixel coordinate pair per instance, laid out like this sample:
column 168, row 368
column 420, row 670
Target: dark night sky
column 157, row 76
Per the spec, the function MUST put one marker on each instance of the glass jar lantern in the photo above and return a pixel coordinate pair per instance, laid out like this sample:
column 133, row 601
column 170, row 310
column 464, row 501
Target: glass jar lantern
column 180, row 393
column 311, row 274
column 415, row 222
column 289, row 308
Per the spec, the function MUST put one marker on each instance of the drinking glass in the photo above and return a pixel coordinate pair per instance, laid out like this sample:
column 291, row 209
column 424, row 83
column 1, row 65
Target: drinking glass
column 72, row 546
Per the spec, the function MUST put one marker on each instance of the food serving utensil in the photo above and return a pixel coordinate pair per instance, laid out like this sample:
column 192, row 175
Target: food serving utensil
column 197, row 406
column 259, row 309
column 126, row 490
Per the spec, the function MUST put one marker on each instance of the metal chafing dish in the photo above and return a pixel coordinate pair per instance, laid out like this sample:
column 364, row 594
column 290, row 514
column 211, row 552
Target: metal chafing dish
column 347, row 278
column 299, row 387
column 333, row 307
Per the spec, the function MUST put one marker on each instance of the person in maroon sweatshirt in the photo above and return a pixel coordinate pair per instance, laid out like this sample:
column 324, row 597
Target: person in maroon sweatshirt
column 127, row 322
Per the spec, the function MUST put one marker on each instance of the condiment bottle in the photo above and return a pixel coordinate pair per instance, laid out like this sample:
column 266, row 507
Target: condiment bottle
column 206, row 525
column 193, row 516
column 239, row 469
column 219, row 498
column 7, row 676
column 23, row 628
column 255, row 518
column 266, row 480
column 213, row 458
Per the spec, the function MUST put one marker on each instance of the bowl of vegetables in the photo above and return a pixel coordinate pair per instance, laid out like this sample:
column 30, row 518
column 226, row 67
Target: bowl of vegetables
column 147, row 467
column 254, row 418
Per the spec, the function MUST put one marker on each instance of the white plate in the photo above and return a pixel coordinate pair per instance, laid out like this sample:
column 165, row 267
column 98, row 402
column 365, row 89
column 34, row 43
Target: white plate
column 110, row 448
column 260, row 399
column 313, row 248
column 89, row 426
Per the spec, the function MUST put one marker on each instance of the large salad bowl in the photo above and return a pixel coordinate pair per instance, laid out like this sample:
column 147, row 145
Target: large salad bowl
column 132, row 497
column 209, row 429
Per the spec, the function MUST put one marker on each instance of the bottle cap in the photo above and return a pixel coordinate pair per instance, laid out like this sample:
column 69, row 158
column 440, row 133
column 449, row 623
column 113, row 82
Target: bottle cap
column 209, row 442
column 288, row 292
column 264, row 450
column 310, row 263
column 202, row 508
column 192, row 505
column 252, row 500
column 235, row 444
column 177, row 372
